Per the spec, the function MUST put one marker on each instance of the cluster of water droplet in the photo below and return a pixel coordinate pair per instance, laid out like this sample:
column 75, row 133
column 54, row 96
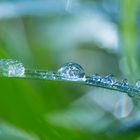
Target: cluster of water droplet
column 74, row 72
column 11, row 68
column 110, row 82
column 68, row 72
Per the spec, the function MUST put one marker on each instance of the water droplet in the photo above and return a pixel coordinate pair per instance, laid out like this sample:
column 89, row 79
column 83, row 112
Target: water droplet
column 72, row 71
column 96, row 77
column 11, row 68
column 125, row 82
column 108, row 79
column 137, row 85
column 117, row 85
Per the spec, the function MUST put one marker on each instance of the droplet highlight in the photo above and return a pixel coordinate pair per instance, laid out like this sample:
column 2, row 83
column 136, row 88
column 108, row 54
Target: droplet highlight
column 11, row 68
column 72, row 71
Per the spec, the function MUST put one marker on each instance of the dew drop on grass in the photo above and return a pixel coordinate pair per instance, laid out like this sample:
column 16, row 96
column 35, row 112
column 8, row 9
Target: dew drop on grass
column 108, row 79
column 11, row 68
column 125, row 82
column 96, row 77
column 72, row 71
column 117, row 83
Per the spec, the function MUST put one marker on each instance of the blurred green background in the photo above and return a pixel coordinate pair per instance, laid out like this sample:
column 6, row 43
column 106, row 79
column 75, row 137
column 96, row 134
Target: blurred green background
column 102, row 36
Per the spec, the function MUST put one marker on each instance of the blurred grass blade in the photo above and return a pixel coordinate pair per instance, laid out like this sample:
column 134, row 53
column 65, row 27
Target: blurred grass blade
column 129, row 38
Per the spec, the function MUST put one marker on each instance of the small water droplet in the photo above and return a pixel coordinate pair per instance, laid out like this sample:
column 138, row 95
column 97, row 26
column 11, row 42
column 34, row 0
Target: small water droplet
column 137, row 85
column 72, row 71
column 96, row 77
column 125, row 82
column 108, row 79
column 118, row 83
column 11, row 68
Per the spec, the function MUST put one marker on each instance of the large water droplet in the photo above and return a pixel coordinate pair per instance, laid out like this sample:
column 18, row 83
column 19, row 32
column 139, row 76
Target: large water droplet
column 108, row 79
column 72, row 71
column 95, row 77
column 11, row 68
column 137, row 85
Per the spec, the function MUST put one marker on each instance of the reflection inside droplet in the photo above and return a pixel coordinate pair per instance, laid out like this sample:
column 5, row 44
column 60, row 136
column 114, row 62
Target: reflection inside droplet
column 72, row 71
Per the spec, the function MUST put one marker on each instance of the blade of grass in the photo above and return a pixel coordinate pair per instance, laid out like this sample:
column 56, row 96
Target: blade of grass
column 128, row 34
